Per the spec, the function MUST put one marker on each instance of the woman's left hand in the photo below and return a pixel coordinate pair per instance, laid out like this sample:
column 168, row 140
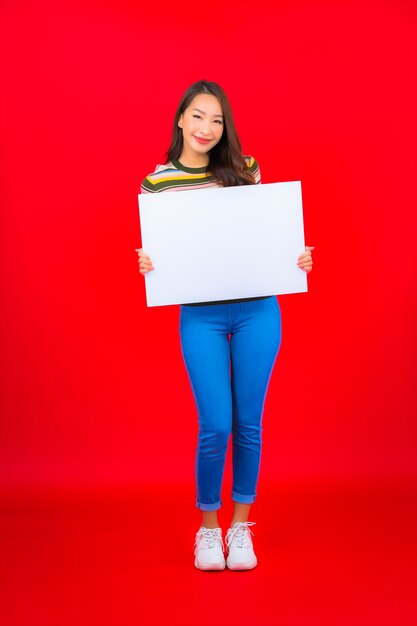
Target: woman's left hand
column 305, row 260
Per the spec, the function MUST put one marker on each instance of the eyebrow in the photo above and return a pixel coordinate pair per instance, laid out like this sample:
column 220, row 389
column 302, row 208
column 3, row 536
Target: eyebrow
column 204, row 113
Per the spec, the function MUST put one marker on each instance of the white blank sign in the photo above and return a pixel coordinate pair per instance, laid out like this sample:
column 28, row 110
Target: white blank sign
column 223, row 243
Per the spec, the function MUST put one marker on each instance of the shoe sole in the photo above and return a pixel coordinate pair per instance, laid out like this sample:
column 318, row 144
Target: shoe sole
column 209, row 566
column 242, row 566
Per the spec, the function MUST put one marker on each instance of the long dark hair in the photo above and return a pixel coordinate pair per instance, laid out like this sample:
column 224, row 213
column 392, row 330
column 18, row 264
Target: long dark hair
column 226, row 162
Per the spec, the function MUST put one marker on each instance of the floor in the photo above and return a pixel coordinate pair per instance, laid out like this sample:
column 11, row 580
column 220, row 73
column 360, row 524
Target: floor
column 329, row 554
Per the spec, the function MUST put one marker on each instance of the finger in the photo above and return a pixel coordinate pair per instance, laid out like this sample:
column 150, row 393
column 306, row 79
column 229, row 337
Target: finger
column 141, row 253
column 305, row 264
column 310, row 247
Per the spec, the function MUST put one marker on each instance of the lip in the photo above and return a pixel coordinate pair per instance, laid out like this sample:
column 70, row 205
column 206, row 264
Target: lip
column 201, row 140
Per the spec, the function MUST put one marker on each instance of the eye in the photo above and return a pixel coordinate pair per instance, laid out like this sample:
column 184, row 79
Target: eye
column 218, row 122
column 197, row 116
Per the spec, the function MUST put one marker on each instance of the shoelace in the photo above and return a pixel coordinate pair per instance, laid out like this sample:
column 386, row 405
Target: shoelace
column 210, row 536
column 239, row 533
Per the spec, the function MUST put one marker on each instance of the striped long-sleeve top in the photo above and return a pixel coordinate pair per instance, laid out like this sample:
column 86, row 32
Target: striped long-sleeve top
column 174, row 176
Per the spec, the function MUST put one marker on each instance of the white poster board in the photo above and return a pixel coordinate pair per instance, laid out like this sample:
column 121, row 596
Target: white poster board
column 223, row 243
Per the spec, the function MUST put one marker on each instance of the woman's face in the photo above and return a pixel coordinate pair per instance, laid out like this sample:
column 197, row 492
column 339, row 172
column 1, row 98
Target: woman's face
column 202, row 125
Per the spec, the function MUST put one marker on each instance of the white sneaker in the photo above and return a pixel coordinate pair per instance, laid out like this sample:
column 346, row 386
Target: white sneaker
column 209, row 549
column 239, row 546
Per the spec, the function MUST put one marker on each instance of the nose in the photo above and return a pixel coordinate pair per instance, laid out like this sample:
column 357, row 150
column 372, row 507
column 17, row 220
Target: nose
column 205, row 128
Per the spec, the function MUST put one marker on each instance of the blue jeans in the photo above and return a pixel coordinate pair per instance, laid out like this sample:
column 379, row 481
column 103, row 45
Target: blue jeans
column 229, row 352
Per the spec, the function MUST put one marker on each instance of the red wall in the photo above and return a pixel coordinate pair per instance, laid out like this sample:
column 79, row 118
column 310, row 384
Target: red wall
column 93, row 385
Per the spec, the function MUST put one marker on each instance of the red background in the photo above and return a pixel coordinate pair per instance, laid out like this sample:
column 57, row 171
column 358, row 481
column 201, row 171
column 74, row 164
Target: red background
column 93, row 384
column 94, row 394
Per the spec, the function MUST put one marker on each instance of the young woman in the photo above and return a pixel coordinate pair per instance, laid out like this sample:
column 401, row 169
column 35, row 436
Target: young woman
column 229, row 347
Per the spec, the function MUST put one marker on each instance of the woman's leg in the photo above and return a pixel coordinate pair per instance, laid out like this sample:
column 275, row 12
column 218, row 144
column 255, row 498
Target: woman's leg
column 209, row 519
column 255, row 341
column 204, row 340
column 240, row 513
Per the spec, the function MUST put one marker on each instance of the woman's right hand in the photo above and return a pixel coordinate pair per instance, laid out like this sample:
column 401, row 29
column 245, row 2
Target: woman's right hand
column 145, row 263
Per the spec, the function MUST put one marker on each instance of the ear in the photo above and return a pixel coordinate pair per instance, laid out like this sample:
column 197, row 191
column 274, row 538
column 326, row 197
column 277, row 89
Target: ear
column 180, row 121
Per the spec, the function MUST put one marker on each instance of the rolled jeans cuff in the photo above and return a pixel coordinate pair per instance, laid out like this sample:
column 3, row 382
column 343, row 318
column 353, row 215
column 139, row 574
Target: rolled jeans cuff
column 241, row 499
column 208, row 507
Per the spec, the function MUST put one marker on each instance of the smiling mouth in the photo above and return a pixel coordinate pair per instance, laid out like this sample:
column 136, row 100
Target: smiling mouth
column 200, row 140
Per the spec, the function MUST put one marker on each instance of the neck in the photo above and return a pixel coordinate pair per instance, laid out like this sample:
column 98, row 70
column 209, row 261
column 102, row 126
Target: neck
column 193, row 160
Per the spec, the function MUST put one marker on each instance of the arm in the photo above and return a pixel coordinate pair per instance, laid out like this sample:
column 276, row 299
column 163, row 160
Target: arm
column 304, row 261
column 145, row 263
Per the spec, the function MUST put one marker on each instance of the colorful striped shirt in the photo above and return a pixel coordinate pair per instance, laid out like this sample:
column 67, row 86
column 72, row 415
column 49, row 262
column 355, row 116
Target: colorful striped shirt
column 174, row 176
